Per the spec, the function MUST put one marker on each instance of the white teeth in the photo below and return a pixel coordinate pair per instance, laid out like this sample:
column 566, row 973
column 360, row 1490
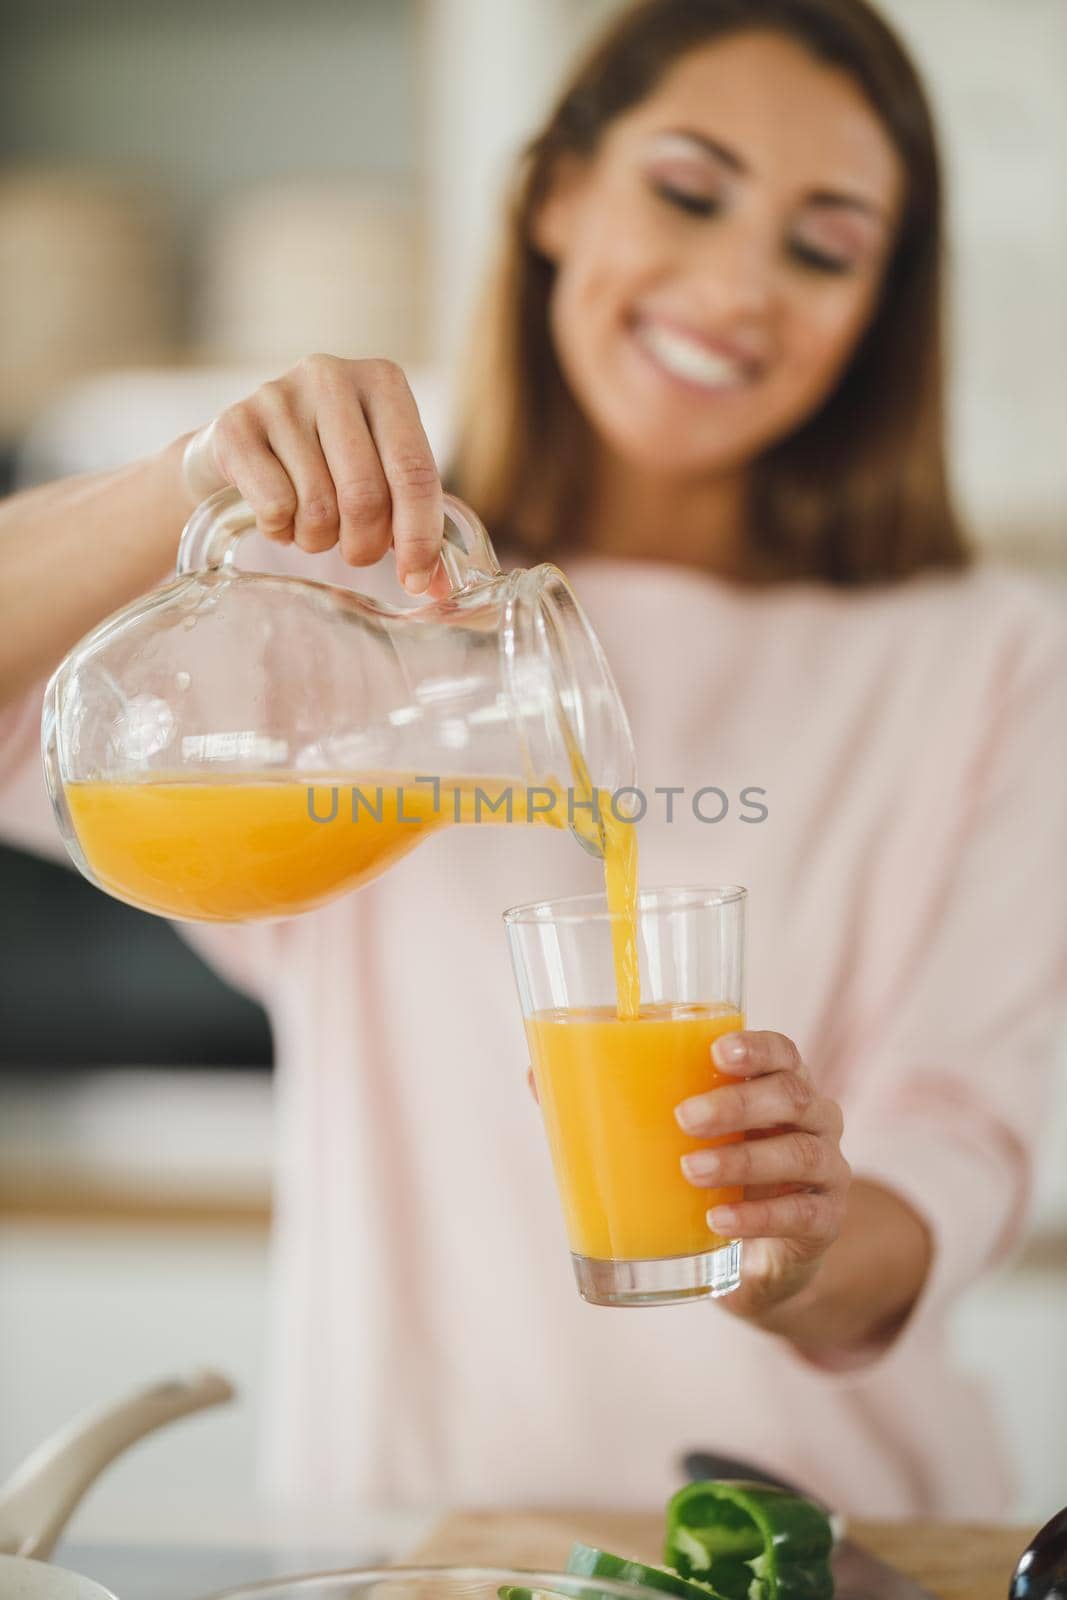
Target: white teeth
column 684, row 358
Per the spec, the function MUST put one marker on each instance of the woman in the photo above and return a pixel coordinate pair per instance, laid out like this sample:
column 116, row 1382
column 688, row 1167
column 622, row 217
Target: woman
column 708, row 381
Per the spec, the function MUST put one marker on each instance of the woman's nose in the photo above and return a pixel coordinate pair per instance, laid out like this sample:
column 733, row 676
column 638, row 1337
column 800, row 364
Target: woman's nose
column 736, row 275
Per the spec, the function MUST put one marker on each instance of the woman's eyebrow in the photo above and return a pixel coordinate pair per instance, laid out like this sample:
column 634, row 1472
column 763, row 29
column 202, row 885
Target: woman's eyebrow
column 710, row 146
column 836, row 199
column 839, row 200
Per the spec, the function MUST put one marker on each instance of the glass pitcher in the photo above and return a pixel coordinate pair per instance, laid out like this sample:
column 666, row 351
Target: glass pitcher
column 238, row 744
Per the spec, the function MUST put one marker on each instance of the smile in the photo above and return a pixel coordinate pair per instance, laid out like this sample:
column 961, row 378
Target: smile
column 690, row 361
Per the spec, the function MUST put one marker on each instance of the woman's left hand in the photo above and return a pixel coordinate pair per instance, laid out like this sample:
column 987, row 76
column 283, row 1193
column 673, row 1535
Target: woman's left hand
column 790, row 1166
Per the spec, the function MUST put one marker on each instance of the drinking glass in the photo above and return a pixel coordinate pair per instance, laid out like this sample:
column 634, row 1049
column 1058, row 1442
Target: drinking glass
column 608, row 1084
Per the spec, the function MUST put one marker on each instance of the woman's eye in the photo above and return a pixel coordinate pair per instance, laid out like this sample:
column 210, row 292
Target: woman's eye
column 687, row 200
column 818, row 260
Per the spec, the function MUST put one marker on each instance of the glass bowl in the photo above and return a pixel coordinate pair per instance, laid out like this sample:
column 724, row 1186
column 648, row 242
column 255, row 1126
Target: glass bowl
column 437, row 1583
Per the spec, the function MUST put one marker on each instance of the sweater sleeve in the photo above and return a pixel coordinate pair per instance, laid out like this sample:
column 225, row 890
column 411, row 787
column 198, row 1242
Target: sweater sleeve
column 954, row 1076
column 242, row 953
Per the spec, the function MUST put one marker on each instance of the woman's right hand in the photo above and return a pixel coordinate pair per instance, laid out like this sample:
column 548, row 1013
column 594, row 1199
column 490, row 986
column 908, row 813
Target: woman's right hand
column 333, row 453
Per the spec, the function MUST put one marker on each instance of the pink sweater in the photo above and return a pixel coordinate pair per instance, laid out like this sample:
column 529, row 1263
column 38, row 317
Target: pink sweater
column 907, row 929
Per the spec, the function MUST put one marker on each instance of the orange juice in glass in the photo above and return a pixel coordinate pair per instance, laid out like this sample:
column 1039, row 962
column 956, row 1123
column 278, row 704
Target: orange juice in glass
column 608, row 1082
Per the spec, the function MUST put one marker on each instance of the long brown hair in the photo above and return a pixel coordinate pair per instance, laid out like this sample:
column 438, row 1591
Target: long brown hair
column 859, row 492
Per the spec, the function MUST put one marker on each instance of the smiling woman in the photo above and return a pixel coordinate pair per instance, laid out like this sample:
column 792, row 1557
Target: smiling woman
column 723, row 262
column 752, row 289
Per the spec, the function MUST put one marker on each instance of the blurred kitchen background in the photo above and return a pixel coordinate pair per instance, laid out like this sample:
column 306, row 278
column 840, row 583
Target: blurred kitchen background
column 192, row 196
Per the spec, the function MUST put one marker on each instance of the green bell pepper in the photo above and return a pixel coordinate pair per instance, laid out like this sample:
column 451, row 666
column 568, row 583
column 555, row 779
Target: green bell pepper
column 586, row 1562
column 717, row 1530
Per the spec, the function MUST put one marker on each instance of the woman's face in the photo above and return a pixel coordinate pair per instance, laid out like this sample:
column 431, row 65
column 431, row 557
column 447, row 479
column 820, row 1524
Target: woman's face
column 721, row 254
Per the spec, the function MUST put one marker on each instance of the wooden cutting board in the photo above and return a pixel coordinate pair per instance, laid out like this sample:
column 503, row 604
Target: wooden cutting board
column 954, row 1561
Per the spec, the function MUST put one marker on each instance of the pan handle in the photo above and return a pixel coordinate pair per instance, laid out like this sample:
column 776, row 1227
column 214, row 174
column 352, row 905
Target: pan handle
column 37, row 1501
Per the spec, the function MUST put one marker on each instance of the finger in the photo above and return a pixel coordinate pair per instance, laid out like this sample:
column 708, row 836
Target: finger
column 751, row 1055
column 363, row 498
column 813, row 1220
column 795, row 1157
column 440, row 583
column 245, row 457
column 771, row 1191
column 784, row 1099
column 295, row 442
column 838, row 1182
column 410, row 471
column 532, row 1082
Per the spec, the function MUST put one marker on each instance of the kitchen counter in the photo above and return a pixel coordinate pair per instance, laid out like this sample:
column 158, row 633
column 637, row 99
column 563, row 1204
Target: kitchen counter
column 158, row 1147
column 954, row 1561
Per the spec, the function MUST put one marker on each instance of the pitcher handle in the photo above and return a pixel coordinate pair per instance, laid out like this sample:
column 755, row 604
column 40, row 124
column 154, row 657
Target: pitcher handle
column 209, row 539
column 467, row 552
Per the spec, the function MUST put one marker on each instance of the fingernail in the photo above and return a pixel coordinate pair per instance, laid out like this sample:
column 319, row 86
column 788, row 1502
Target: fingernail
column 419, row 581
column 722, row 1220
column 729, row 1051
column 699, row 1164
column 690, row 1115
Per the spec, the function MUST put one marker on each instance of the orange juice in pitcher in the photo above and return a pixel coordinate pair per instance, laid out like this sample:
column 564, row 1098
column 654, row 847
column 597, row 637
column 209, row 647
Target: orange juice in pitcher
column 262, row 847
column 183, row 737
